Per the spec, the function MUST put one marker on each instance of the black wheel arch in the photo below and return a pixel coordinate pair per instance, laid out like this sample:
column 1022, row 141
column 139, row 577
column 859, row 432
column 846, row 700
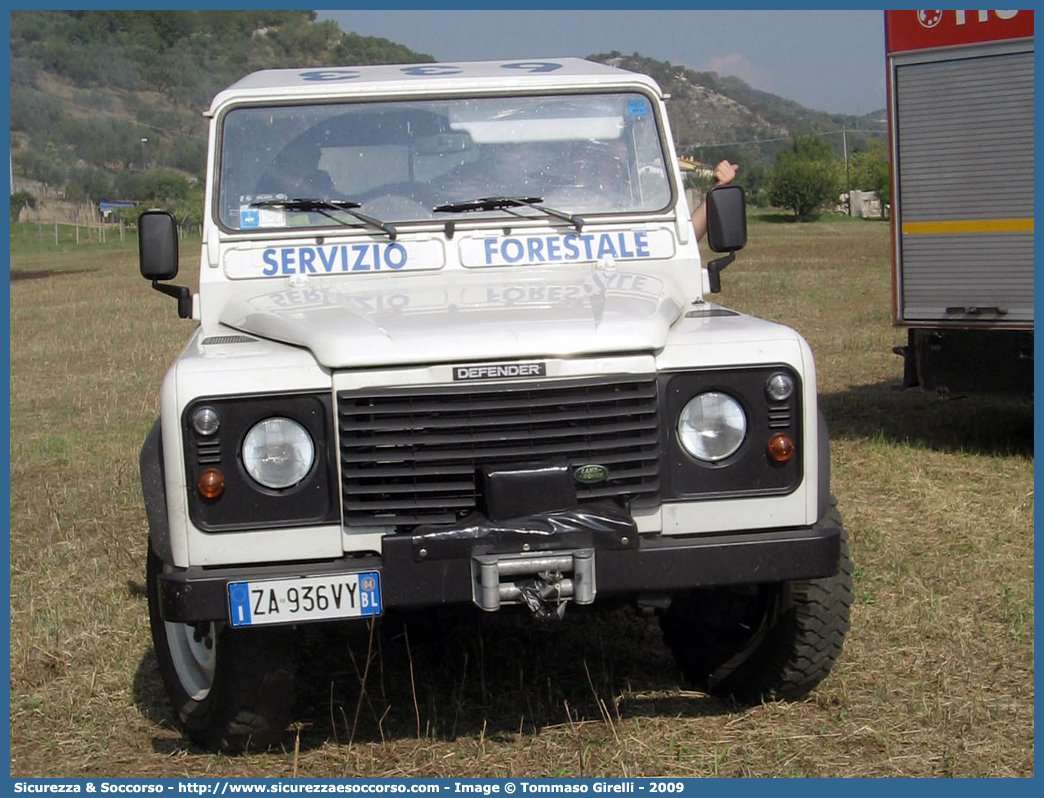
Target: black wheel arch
column 823, row 465
column 154, row 492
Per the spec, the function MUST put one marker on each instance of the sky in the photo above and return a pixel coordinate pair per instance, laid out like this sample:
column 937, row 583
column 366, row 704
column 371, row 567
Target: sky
column 826, row 60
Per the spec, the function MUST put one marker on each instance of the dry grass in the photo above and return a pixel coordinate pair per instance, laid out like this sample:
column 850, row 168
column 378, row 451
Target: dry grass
column 937, row 674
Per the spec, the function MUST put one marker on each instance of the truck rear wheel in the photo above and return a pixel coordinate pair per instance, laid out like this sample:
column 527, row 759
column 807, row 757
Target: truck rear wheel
column 762, row 641
column 230, row 689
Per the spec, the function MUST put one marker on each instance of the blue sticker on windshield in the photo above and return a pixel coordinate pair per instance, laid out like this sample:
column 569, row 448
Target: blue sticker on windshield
column 636, row 106
column 249, row 217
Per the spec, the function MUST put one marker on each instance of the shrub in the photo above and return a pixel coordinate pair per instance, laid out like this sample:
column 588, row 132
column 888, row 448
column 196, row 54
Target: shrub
column 19, row 200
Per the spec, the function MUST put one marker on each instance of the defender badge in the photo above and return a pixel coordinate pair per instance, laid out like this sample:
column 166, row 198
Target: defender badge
column 495, row 371
column 591, row 473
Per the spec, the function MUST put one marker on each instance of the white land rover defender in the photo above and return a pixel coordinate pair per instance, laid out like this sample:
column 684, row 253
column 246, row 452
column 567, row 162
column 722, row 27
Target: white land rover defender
column 454, row 349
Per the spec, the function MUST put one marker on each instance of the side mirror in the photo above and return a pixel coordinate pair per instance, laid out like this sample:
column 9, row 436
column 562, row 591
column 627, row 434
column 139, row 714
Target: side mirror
column 158, row 256
column 158, row 245
column 726, row 228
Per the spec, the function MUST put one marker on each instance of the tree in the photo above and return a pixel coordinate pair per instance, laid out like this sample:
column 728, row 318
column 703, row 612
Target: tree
column 804, row 177
column 755, row 181
column 19, row 200
column 44, row 167
column 812, row 147
column 88, row 181
column 164, row 185
column 869, row 169
column 189, row 209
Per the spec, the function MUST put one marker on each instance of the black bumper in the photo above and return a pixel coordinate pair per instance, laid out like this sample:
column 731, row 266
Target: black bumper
column 415, row 575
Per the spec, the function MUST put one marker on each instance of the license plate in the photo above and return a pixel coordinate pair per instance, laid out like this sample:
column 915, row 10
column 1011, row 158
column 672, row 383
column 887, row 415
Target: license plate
column 313, row 598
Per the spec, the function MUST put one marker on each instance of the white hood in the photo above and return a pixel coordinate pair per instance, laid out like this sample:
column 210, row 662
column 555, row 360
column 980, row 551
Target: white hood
column 354, row 321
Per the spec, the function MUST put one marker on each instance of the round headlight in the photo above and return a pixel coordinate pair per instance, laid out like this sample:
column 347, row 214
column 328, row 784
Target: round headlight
column 712, row 426
column 278, row 452
column 779, row 387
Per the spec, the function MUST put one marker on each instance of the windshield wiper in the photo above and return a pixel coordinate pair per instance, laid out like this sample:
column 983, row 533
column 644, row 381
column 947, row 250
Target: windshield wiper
column 497, row 203
column 325, row 206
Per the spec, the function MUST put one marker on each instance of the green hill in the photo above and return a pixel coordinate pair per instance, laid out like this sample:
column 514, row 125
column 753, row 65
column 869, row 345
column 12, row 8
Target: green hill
column 88, row 86
column 715, row 117
column 108, row 104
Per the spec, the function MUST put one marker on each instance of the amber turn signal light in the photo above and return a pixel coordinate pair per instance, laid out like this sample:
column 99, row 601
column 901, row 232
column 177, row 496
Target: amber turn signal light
column 211, row 483
column 780, row 447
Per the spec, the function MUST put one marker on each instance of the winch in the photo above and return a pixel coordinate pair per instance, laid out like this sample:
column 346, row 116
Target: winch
column 544, row 583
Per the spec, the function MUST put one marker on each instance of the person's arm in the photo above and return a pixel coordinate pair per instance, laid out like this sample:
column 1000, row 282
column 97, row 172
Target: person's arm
column 724, row 172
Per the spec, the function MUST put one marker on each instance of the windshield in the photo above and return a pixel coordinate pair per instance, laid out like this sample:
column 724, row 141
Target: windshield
column 583, row 154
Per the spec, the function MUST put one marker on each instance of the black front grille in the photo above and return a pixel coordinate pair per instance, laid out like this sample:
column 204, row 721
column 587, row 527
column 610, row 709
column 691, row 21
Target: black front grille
column 410, row 456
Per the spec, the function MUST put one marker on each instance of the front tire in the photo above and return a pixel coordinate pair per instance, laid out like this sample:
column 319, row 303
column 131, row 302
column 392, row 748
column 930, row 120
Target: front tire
column 762, row 642
column 230, row 689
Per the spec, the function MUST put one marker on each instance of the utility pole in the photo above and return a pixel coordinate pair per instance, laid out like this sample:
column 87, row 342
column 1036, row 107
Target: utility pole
column 848, row 178
column 144, row 160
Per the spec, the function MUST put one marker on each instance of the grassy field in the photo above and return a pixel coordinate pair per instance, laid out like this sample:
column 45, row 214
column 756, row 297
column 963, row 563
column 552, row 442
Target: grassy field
column 936, row 678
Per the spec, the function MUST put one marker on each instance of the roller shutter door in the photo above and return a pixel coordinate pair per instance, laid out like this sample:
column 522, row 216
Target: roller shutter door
column 965, row 197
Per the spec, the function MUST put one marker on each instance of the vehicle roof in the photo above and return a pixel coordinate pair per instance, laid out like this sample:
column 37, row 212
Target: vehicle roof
column 428, row 78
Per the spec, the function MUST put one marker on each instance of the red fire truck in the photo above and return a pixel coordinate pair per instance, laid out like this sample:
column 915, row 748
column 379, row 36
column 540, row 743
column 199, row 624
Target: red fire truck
column 960, row 109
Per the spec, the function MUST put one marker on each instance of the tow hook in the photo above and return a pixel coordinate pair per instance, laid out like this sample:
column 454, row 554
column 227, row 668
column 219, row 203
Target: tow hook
column 543, row 596
column 544, row 583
